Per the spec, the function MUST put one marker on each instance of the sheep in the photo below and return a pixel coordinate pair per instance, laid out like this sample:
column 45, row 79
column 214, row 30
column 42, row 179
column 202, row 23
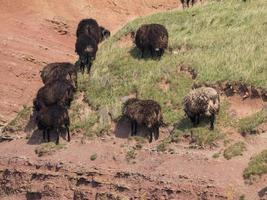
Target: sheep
column 59, row 71
column 89, row 27
column 86, row 47
column 186, row 3
column 105, row 33
column 143, row 112
column 202, row 101
column 153, row 37
column 53, row 117
column 59, row 92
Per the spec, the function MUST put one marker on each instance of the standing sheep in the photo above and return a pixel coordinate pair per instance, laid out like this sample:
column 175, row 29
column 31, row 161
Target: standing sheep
column 89, row 27
column 53, row 118
column 202, row 101
column 152, row 37
column 143, row 112
column 59, row 92
column 59, row 71
column 86, row 48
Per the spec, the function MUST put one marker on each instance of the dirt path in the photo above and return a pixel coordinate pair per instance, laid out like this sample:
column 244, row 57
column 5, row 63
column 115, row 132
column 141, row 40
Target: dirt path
column 37, row 32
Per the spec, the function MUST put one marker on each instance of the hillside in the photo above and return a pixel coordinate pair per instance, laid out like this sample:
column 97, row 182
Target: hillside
column 218, row 43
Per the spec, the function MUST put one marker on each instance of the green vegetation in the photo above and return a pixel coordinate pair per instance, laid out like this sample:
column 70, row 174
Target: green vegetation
column 216, row 155
column 18, row 123
column 236, row 149
column 93, row 157
column 248, row 124
column 221, row 42
column 257, row 166
column 130, row 155
column 48, row 148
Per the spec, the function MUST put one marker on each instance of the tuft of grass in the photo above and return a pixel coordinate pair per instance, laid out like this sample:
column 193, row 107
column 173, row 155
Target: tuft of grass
column 93, row 157
column 250, row 123
column 130, row 155
column 18, row 123
column 48, row 148
column 257, row 166
column 234, row 150
column 216, row 155
column 204, row 137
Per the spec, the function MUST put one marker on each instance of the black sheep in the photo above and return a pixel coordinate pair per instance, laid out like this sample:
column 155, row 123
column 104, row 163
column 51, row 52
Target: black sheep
column 86, row 47
column 105, row 33
column 143, row 112
column 89, row 27
column 59, row 71
column 186, row 3
column 53, row 118
column 152, row 37
column 59, row 92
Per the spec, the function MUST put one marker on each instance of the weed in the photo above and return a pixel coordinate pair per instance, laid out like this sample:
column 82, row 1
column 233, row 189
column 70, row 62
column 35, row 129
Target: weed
column 236, row 149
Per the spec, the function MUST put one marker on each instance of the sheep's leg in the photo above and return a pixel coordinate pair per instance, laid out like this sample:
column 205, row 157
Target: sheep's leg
column 44, row 135
column 197, row 118
column 68, row 131
column 48, row 135
column 151, row 136
column 212, row 119
column 89, row 67
column 156, row 132
column 192, row 2
column 134, row 128
column 57, row 141
column 193, row 120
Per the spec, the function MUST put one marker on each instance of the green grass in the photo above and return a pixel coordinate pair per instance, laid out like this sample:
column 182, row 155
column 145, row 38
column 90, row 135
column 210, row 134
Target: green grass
column 18, row 123
column 221, row 41
column 249, row 124
column 48, row 148
column 93, row 157
column 234, row 150
column 130, row 155
column 257, row 166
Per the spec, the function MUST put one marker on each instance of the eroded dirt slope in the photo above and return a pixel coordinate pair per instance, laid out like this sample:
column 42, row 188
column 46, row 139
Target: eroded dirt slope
column 35, row 32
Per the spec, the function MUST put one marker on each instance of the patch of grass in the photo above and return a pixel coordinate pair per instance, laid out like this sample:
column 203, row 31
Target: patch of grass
column 204, row 137
column 250, row 123
column 216, row 155
column 93, row 157
column 257, row 166
column 208, row 38
column 130, row 155
column 48, row 148
column 234, row 150
column 242, row 197
column 18, row 123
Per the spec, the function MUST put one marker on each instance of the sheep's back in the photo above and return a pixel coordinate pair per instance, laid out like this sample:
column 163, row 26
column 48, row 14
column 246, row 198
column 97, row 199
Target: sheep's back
column 89, row 27
column 86, row 44
column 158, row 36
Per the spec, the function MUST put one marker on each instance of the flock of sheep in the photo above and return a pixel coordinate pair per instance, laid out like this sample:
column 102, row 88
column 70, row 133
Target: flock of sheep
column 60, row 84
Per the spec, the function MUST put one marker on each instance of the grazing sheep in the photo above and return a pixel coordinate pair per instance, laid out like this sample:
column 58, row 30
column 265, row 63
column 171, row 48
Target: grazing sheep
column 53, row 118
column 143, row 112
column 153, row 37
column 59, row 92
column 89, row 27
column 186, row 3
column 59, row 71
column 86, row 48
column 105, row 33
column 202, row 101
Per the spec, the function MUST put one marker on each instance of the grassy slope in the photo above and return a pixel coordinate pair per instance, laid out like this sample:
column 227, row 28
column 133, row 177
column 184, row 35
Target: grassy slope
column 221, row 40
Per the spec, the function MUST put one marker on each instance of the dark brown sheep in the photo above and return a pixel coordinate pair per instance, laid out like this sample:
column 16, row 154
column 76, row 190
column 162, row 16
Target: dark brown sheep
column 59, row 92
column 105, row 33
column 89, row 27
column 53, row 118
column 143, row 112
column 152, row 37
column 59, row 71
column 186, row 3
column 86, row 47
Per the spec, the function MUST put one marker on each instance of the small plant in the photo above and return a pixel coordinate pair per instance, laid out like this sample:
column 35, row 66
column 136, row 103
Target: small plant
column 216, row 155
column 130, row 155
column 48, row 148
column 236, row 149
column 249, row 124
column 93, row 157
column 242, row 197
column 257, row 166
column 162, row 146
